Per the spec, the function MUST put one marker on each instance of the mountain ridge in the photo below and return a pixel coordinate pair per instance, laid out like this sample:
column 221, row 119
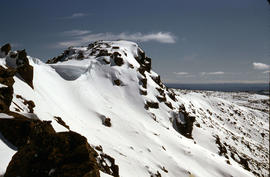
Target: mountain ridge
column 109, row 88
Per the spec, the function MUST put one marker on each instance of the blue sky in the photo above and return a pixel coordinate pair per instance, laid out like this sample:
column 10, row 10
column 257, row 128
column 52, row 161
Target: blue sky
column 190, row 41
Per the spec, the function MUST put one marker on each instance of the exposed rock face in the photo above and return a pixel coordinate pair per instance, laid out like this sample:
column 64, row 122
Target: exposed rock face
column 6, row 78
column 107, row 122
column 185, row 128
column 24, row 68
column 117, row 82
column 19, row 62
column 117, row 59
column 144, row 61
column 103, row 159
column 150, row 104
column 43, row 152
column 6, row 48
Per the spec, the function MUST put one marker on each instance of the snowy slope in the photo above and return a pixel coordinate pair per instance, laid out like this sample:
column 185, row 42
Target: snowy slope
column 113, row 81
column 239, row 119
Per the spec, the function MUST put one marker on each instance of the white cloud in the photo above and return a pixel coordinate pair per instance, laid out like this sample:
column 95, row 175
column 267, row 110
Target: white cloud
column 213, row 73
column 76, row 15
column 260, row 66
column 216, row 73
column 86, row 37
column 181, row 73
column 76, row 32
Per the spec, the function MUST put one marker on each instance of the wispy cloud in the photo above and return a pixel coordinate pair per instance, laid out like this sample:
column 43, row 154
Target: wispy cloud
column 76, row 32
column 81, row 37
column 260, row 66
column 76, row 15
column 184, row 74
column 266, row 72
column 213, row 73
column 181, row 73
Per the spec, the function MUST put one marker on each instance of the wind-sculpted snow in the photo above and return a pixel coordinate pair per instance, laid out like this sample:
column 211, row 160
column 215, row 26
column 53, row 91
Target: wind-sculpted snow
column 109, row 93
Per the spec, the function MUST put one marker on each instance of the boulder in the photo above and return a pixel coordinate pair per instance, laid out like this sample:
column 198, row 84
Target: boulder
column 117, row 59
column 6, row 93
column 6, row 48
column 24, row 69
column 43, row 152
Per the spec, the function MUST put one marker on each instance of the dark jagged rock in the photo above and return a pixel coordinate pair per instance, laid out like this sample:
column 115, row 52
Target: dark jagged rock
column 103, row 159
column 161, row 91
column 141, row 71
column 164, row 169
column 157, row 80
column 117, row 59
column 143, row 92
column 24, row 68
column 169, row 104
column 61, row 122
column 63, row 56
column 90, row 46
column 111, row 169
column 148, row 64
column 131, row 66
column 99, row 148
column 150, row 104
column 222, row 149
column 107, row 122
column 117, row 82
column 145, row 62
column 80, row 56
column 55, row 59
column 140, row 57
column 172, row 95
column 20, row 130
column 103, row 53
column 6, row 93
column 161, row 98
column 156, row 175
column 6, row 48
column 143, row 82
column 184, row 128
column 43, row 152
column 30, row 104
column 13, row 54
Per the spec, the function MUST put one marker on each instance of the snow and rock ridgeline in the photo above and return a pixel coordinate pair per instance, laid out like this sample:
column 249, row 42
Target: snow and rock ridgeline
column 108, row 93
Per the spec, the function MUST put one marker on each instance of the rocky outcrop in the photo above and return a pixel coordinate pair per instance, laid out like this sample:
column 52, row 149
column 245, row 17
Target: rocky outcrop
column 19, row 62
column 6, row 48
column 117, row 59
column 24, row 68
column 185, row 126
column 151, row 104
column 6, row 91
column 43, row 152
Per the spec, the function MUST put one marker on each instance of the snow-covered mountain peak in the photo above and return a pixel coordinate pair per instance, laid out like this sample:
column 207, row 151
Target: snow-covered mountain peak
column 111, row 52
column 108, row 92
